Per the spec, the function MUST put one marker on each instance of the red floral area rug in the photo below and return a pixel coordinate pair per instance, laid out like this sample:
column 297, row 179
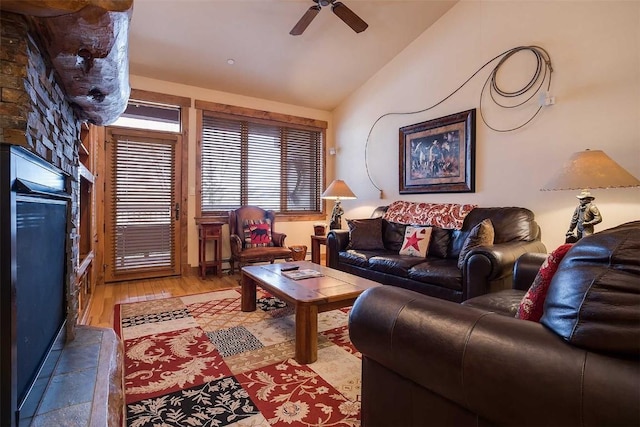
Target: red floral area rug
column 199, row 360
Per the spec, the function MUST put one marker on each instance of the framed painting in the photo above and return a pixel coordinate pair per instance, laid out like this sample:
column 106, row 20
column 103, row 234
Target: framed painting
column 438, row 156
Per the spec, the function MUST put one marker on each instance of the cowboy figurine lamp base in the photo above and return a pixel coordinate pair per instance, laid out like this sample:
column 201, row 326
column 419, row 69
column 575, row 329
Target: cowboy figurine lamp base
column 585, row 216
column 337, row 190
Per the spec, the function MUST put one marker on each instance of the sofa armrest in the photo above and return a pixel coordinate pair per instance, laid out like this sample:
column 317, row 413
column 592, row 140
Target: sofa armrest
column 337, row 240
column 485, row 264
column 508, row 371
column 526, row 269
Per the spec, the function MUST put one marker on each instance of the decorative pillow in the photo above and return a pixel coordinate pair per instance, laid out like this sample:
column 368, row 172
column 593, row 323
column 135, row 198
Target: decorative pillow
column 480, row 235
column 365, row 234
column 532, row 304
column 257, row 233
column 416, row 241
column 439, row 245
column 393, row 235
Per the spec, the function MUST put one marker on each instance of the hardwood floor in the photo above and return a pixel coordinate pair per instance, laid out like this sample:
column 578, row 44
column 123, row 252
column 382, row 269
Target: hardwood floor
column 107, row 296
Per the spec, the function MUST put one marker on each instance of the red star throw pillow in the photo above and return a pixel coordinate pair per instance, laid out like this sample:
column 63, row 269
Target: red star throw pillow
column 416, row 241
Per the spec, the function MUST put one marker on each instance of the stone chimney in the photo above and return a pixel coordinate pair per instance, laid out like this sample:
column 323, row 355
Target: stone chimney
column 35, row 114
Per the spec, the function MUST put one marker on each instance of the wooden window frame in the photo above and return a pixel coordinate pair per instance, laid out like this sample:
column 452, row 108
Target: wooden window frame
column 270, row 118
column 184, row 103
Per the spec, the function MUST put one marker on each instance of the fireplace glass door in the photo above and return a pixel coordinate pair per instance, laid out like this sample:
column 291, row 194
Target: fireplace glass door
column 40, row 294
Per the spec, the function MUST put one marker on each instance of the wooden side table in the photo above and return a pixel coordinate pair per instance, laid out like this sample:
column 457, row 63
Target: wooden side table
column 209, row 231
column 316, row 241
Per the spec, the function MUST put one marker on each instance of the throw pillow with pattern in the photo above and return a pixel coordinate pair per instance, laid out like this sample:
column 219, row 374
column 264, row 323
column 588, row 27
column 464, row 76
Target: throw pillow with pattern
column 532, row 304
column 257, row 233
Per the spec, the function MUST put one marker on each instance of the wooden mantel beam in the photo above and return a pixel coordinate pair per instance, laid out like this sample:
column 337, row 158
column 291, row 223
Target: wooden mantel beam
column 48, row 8
column 87, row 43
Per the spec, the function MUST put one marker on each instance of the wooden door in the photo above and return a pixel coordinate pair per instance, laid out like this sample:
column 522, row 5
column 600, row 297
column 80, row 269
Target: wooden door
column 142, row 204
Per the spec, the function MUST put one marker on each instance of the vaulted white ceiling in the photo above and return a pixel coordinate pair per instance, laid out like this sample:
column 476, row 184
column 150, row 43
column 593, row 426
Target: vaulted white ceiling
column 191, row 41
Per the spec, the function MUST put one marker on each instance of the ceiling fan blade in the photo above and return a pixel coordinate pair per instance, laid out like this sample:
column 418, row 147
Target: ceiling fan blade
column 349, row 17
column 304, row 22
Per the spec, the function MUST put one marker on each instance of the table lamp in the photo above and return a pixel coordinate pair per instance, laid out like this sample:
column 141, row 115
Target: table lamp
column 335, row 191
column 587, row 170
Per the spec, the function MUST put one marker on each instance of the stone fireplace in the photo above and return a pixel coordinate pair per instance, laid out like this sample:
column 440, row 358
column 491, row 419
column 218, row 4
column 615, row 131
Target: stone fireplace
column 43, row 107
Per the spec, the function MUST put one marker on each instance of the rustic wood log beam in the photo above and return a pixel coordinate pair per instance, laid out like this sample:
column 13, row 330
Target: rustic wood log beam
column 87, row 43
column 47, row 8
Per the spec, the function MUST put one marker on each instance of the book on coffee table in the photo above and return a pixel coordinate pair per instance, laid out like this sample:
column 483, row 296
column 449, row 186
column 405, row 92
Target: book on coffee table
column 301, row 274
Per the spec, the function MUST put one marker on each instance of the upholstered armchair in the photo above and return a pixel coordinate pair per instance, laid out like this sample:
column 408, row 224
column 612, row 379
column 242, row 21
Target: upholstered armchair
column 252, row 237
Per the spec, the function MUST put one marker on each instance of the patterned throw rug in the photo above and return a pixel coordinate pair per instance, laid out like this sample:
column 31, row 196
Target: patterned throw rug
column 198, row 360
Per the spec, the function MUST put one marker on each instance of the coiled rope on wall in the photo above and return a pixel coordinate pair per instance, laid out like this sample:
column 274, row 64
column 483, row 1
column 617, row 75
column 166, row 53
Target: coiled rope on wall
column 541, row 74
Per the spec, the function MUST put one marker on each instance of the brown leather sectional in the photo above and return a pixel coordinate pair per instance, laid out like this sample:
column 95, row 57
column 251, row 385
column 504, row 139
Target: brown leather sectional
column 429, row 362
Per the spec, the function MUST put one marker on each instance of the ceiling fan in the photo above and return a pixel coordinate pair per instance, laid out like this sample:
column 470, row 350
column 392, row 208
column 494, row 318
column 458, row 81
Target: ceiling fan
column 343, row 12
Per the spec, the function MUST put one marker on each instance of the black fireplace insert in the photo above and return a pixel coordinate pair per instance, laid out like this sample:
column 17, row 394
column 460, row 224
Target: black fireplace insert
column 33, row 270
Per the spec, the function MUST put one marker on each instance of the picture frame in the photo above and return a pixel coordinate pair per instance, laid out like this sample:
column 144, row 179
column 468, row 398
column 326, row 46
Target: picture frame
column 438, row 156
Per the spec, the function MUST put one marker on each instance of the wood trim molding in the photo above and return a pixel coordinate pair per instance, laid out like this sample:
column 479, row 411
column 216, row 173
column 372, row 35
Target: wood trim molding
column 160, row 98
column 259, row 114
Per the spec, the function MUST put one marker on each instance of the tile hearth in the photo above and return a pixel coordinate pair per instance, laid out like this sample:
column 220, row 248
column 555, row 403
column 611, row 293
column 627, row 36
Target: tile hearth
column 82, row 381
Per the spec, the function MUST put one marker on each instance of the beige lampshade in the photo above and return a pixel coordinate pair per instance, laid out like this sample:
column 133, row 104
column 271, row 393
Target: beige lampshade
column 591, row 169
column 338, row 190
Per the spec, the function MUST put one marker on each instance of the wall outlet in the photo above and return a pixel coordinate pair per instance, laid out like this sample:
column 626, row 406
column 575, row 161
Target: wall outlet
column 545, row 99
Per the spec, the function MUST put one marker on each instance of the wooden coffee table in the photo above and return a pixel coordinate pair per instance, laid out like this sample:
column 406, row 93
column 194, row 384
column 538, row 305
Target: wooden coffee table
column 335, row 289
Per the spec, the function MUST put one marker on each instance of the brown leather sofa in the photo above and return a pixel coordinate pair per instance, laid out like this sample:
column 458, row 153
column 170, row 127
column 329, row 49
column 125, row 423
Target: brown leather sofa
column 429, row 362
column 486, row 268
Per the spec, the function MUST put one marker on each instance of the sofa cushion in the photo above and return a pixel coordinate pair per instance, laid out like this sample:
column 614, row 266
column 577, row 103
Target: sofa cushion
column 393, row 235
column 416, row 241
column 480, row 235
column 365, row 234
column 594, row 298
column 439, row 244
column 438, row 271
column 257, row 233
column 359, row 258
column 530, row 308
column 394, row 264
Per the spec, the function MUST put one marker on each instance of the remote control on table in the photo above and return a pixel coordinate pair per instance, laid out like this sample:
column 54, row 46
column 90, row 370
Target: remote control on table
column 289, row 268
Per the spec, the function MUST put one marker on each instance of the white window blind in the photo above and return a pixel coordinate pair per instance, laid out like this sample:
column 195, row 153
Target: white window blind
column 252, row 163
column 143, row 226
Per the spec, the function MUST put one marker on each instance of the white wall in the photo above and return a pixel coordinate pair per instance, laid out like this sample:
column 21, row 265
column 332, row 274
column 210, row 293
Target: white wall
column 298, row 232
column 595, row 52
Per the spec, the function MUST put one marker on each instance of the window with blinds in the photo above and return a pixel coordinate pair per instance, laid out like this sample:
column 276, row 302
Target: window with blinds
column 143, row 201
column 273, row 166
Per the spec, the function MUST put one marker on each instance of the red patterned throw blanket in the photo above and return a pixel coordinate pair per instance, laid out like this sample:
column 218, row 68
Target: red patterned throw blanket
column 443, row 215
column 198, row 360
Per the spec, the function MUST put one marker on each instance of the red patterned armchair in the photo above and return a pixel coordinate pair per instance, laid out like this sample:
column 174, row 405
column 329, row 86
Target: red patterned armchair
column 252, row 237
